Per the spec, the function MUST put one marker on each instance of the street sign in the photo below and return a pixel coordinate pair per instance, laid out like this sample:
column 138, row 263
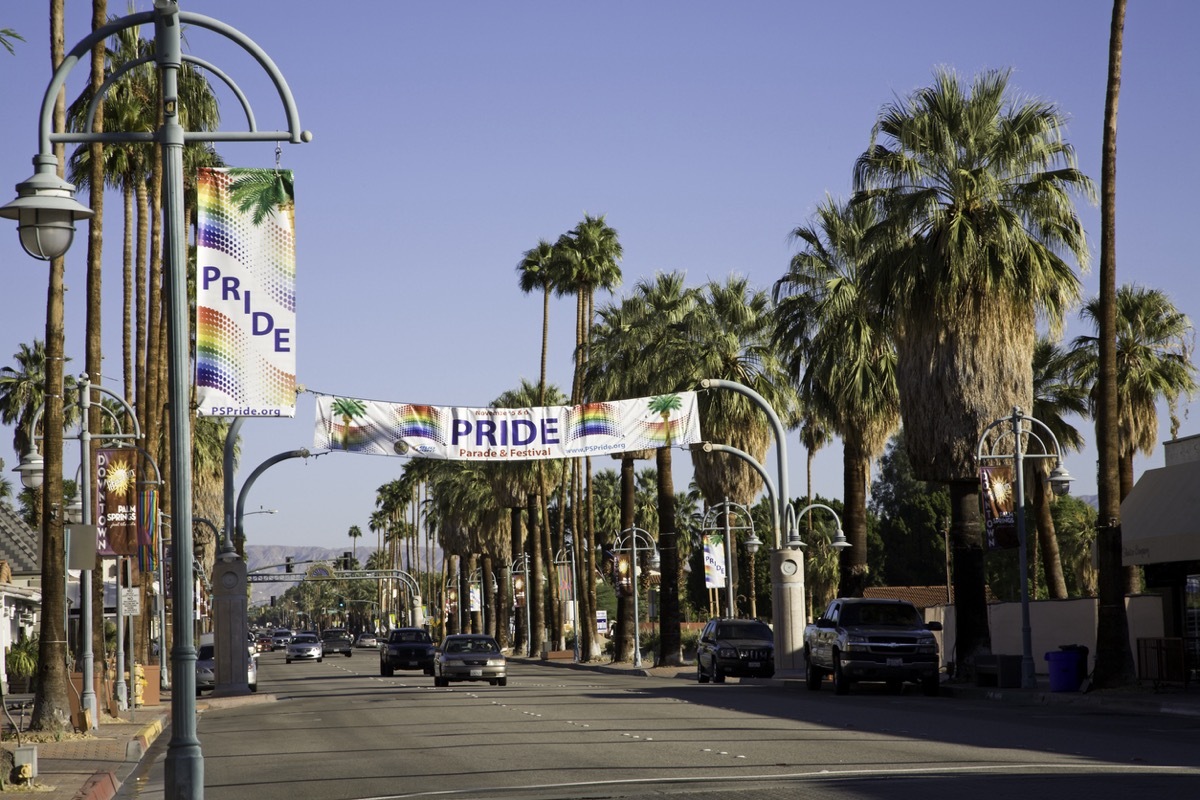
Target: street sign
column 131, row 603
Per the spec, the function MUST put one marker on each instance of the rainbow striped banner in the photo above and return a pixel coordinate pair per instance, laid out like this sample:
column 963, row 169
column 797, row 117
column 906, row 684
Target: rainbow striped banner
column 245, row 293
column 506, row 434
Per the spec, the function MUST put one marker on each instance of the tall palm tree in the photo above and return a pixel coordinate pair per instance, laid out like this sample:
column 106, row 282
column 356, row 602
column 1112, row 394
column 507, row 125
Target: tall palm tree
column 844, row 343
column 50, row 704
column 1114, row 656
column 355, row 533
column 1154, row 347
column 1056, row 394
column 975, row 190
column 587, row 258
column 641, row 349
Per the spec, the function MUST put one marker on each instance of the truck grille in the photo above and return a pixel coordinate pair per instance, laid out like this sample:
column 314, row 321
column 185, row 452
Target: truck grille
column 755, row 653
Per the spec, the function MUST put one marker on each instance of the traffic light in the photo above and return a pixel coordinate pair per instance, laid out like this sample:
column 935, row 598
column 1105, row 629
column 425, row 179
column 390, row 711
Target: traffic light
column 341, row 602
column 272, row 601
column 287, row 564
column 347, row 558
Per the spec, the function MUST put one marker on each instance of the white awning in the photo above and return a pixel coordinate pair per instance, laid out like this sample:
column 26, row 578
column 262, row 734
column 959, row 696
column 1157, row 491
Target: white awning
column 1160, row 519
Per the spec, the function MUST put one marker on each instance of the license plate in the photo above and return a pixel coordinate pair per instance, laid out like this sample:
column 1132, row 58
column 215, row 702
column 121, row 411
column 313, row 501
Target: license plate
column 755, row 664
column 895, row 662
column 414, row 663
column 476, row 673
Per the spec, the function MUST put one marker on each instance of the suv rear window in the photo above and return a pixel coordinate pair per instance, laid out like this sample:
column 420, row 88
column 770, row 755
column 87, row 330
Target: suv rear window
column 407, row 637
column 744, row 630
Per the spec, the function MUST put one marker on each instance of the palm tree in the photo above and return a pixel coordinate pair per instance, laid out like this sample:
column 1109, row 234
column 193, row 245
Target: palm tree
column 840, row 336
column 264, row 192
column 355, row 533
column 585, row 259
column 976, row 214
column 22, row 392
column 642, row 349
column 6, row 37
column 1154, row 345
column 1114, row 656
column 50, row 704
column 1056, row 394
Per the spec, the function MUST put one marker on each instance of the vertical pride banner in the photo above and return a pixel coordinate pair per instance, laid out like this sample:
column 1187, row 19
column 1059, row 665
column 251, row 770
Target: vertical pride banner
column 245, row 293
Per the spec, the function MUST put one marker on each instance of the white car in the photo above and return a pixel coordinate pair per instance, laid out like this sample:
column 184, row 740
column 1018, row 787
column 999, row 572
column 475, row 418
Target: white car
column 206, row 670
column 305, row 647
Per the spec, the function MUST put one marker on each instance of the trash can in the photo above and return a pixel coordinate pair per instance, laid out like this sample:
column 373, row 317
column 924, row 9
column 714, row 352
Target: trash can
column 1064, row 670
column 1068, row 667
column 1080, row 653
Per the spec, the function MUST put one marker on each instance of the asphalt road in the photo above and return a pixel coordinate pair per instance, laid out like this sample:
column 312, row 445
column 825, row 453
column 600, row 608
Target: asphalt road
column 339, row 730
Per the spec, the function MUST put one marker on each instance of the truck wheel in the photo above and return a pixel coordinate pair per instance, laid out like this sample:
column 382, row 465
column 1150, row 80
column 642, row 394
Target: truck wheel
column 841, row 684
column 718, row 676
column 931, row 686
column 813, row 677
column 387, row 670
column 700, row 676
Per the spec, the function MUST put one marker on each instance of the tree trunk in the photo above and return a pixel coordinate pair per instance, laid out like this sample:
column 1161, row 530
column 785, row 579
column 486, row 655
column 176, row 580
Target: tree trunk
column 1047, row 538
column 536, row 581
column 972, row 635
column 670, row 644
column 1132, row 574
column 50, row 709
column 1114, row 657
column 623, row 645
column 854, row 573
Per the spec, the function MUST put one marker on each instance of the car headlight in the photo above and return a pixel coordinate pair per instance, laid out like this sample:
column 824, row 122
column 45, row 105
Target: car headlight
column 495, row 662
column 727, row 652
column 927, row 645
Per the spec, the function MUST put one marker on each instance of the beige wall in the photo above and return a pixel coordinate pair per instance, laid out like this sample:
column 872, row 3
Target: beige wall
column 1053, row 623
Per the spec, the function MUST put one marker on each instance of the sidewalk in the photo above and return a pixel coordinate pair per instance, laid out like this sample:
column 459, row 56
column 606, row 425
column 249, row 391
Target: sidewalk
column 1172, row 699
column 94, row 767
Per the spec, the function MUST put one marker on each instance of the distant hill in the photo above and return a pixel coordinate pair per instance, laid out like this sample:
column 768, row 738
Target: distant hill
column 265, row 556
column 259, row 556
column 1092, row 500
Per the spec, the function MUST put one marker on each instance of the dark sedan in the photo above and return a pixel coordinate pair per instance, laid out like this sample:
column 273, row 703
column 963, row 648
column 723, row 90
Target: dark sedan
column 741, row 647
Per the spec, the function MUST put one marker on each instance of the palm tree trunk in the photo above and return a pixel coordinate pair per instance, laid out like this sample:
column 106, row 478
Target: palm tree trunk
column 973, row 636
column 535, row 582
column 1056, row 584
column 670, row 644
column 127, row 298
column 856, row 466
column 141, row 299
column 1114, row 657
column 50, row 700
column 623, row 647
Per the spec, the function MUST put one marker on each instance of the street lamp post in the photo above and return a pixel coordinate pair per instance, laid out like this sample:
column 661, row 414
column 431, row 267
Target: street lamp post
column 724, row 510
column 46, row 211
column 629, row 541
column 1022, row 426
column 30, row 470
column 566, row 558
column 519, row 568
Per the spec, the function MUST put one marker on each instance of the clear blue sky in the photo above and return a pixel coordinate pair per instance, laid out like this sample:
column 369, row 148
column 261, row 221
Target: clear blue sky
column 450, row 137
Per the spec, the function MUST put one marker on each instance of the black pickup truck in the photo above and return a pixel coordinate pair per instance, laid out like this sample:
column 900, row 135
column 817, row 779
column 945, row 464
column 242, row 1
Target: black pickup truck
column 870, row 639
column 406, row 648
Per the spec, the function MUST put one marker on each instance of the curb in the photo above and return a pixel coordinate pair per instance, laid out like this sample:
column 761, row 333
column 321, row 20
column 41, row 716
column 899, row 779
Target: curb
column 101, row 786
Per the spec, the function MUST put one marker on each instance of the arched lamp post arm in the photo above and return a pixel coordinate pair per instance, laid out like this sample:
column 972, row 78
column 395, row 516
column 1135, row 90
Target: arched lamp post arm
column 228, row 546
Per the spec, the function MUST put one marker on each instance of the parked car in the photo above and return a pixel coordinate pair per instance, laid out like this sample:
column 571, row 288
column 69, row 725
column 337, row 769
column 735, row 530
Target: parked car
column 305, row 647
column 406, row 648
column 281, row 638
column 470, row 657
column 741, row 647
column 206, row 670
column 366, row 640
column 871, row 639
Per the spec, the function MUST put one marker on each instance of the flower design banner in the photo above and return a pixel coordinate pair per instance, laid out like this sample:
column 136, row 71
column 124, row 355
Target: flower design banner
column 116, row 502
column 246, row 293
column 506, row 434
column 1000, row 527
